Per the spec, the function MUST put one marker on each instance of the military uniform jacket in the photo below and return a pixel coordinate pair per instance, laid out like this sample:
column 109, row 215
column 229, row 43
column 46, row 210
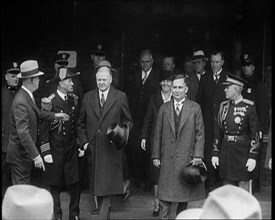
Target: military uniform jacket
column 59, row 139
column 239, row 122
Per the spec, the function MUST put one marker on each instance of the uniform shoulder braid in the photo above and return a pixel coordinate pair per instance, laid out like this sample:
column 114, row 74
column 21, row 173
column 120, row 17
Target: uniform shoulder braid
column 247, row 101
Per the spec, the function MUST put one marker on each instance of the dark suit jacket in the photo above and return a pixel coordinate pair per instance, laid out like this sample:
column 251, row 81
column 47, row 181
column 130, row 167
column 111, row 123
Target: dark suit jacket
column 106, row 172
column 139, row 97
column 193, row 86
column 210, row 95
column 23, row 135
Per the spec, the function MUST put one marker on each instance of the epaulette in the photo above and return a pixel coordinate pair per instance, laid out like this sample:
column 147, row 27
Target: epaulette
column 247, row 101
column 224, row 102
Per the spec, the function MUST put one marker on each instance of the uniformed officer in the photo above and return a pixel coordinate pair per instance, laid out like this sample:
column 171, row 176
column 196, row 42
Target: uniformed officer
column 88, row 78
column 255, row 90
column 236, row 146
column 9, row 90
column 58, row 145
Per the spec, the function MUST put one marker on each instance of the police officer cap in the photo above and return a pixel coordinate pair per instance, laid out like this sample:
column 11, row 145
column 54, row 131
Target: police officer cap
column 233, row 79
column 13, row 68
column 246, row 59
column 65, row 73
column 192, row 175
column 99, row 50
column 62, row 59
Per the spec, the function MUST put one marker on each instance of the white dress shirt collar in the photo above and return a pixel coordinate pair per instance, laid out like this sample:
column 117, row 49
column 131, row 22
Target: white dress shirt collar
column 62, row 95
column 180, row 103
column 105, row 93
column 166, row 99
column 148, row 73
column 29, row 92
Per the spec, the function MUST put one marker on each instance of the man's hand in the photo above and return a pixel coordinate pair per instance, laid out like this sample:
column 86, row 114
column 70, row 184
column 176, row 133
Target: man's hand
column 215, row 161
column 81, row 152
column 61, row 116
column 38, row 163
column 270, row 163
column 251, row 164
column 48, row 158
column 143, row 144
column 156, row 162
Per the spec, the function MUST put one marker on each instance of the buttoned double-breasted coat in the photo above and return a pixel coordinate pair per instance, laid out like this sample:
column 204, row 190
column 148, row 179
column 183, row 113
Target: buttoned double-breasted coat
column 175, row 152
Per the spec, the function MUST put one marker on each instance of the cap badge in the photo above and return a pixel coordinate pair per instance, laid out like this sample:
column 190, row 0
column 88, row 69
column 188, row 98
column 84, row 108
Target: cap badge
column 62, row 73
column 99, row 46
column 245, row 56
column 63, row 56
column 15, row 65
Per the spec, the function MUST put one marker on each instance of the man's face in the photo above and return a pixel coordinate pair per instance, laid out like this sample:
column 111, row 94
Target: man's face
column 230, row 91
column 146, row 62
column 168, row 64
column 199, row 65
column 179, row 89
column 97, row 58
column 67, row 85
column 216, row 62
column 12, row 79
column 248, row 70
column 103, row 78
column 166, row 85
column 35, row 82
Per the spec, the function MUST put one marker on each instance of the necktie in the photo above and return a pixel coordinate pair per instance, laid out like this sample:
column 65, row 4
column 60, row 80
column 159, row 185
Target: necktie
column 102, row 100
column 65, row 98
column 216, row 76
column 145, row 77
column 178, row 109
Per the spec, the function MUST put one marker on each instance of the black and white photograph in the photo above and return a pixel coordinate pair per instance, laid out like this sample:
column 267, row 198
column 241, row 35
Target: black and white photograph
column 136, row 109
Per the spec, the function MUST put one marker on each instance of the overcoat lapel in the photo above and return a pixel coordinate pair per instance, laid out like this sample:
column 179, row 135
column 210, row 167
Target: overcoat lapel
column 94, row 102
column 170, row 116
column 111, row 99
column 185, row 113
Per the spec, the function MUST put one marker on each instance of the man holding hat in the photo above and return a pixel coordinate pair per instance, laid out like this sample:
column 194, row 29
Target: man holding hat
column 198, row 61
column 22, row 150
column 9, row 90
column 101, row 108
column 88, row 79
column 58, row 145
column 178, row 141
column 236, row 145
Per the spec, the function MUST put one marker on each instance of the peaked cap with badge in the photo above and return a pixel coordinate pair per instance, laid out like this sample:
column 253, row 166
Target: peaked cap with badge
column 98, row 51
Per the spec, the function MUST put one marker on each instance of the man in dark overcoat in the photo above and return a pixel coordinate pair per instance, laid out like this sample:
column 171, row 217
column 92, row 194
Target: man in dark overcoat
column 210, row 95
column 100, row 108
column 236, row 145
column 144, row 83
column 22, row 151
column 178, row 140
column 58, row 145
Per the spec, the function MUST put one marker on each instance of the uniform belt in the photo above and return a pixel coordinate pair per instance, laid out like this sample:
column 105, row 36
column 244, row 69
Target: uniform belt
column 235, row 137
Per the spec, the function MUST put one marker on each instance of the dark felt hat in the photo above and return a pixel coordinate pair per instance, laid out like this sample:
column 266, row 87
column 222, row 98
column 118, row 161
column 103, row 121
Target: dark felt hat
column 105, row 63
column 166, row 75
column 118, row 134
column 234, row 79
column 247, row 59
column 98, row 50
column 192, row 175
column 13, row 68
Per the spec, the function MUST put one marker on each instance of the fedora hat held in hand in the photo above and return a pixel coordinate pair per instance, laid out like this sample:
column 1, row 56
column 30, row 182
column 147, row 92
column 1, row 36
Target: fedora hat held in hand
column 118, row 134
